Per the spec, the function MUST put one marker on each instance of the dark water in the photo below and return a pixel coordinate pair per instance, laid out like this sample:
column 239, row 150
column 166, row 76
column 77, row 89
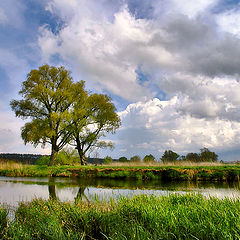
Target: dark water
column 13, row 190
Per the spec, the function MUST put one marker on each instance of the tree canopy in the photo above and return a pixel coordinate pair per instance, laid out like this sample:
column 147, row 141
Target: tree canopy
column 149, row 158
column 63, row 112
column 169, row 156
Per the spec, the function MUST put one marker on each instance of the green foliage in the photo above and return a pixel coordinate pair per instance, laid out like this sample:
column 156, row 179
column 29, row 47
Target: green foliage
column 45, row 160
column 93, row 117
column 149, row 158
column 3, row 222
column 66, row 156
column 63, row 112
column 48, row 92
column 207, row 156
column 123, row 159
column 107, row 160
column 193, row 157
column 169, row 156
column 135, row 159
column 140, row 217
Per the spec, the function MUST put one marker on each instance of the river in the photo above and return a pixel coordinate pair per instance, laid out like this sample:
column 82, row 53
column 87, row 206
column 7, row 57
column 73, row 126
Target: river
column 16, row 189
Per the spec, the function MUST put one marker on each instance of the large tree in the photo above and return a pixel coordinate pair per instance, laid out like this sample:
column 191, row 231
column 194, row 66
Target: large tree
column 63, row 112
column 93, row 116
column 48, row 94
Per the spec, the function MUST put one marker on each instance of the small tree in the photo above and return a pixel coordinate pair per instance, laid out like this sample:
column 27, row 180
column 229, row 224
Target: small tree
column 135, row 159
column 123, row 159
column 107, row 160
column 169, row 156
column 193, row 157
column 93, row 116
column 149, row 158
column 48, row 93
column 207, row 156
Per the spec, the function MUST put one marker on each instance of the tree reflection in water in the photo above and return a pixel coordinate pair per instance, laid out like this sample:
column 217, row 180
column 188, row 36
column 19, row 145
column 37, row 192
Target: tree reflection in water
column 52, row 188
column 52, row 191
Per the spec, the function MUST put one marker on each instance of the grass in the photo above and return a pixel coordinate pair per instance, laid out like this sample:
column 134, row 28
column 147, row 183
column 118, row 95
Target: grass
column 3, row 222
column 141, row 217
column 192, row 172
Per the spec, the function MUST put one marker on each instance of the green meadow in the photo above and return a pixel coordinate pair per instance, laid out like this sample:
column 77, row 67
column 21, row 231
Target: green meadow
column 219, row 172
column 141, row 217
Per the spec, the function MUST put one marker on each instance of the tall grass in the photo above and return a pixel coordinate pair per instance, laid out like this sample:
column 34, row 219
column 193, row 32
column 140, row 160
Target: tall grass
column 3, row 222
column 141, row 217
column 9, row 165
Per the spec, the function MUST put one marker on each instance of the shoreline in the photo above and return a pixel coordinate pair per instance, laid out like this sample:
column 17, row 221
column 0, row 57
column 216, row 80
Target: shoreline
column 224, row 173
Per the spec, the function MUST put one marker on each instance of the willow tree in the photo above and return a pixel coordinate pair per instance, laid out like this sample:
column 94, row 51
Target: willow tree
column 48, row 94
column 93, row 116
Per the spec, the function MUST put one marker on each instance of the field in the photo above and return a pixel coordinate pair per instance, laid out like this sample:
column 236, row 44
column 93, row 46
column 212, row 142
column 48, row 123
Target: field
column 141, row 217
column 192, row 172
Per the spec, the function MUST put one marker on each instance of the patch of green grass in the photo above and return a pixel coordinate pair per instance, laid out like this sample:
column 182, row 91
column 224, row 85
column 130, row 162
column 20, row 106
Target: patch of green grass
column 3, row 222
column 206, row 173
column 141, row 217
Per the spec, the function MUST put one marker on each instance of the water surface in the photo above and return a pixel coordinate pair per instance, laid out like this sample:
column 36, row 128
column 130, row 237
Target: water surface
column 16, row 189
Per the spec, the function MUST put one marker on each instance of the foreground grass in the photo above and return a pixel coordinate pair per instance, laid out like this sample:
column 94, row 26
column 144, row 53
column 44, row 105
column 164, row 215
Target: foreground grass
column 141, row 217
column 211, row 172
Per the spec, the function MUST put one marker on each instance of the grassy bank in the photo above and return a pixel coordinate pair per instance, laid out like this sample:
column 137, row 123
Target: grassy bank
column 222, row 172
column 140, row 217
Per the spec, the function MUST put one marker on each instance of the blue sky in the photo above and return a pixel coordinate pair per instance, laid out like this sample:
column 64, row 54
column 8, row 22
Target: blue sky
column 170, row 66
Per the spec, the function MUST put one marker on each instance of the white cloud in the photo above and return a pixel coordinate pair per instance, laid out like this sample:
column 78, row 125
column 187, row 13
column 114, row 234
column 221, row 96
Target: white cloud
column 229, row 21
column 10, row 135
column 108, row 52
column 155, row 126
column 194, row 64
column 192, row 8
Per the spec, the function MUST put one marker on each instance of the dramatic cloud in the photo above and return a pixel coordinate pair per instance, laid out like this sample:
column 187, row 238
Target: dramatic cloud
column 173, row 66
column 155, row 126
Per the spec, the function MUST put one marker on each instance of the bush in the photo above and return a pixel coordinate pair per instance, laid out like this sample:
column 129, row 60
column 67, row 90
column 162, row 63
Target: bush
column 135, row 158
column 107, row 160
column 169, row 156
column 123, row 159
column 149, row 158
column 64, row 157
column 45, row 160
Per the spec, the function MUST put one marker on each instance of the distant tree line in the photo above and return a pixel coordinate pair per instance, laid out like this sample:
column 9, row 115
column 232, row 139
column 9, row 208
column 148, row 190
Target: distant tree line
column 23, row 158
column 205, row 155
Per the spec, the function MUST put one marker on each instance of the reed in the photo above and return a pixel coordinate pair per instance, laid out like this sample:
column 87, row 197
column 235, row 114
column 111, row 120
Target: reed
column 141, row 217
column 9, row 165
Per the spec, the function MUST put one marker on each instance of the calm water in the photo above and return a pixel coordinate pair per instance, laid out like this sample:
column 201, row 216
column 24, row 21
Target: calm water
column 13, row 190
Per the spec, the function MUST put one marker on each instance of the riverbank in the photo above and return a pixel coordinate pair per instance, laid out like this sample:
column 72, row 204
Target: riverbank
column 140, row 217
column 223, row 172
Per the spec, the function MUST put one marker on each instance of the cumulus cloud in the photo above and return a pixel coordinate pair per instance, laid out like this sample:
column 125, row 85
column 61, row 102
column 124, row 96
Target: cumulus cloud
column 188, row 54
column 156, row 125
column 10, row 135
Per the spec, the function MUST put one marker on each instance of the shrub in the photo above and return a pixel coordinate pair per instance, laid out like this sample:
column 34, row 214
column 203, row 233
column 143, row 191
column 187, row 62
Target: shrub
column 107, row 160
column 64, row 157
column 122, row 159
column 45, row 160
column 169, row 156
column 135, row 158
column 149, row 158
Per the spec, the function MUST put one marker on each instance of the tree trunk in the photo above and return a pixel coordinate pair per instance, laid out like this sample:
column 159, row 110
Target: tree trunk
column 54, row 153
column 52, row 189
column 80, row 152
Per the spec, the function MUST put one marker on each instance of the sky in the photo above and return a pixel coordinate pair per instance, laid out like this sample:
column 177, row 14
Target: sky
column 171, row 67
